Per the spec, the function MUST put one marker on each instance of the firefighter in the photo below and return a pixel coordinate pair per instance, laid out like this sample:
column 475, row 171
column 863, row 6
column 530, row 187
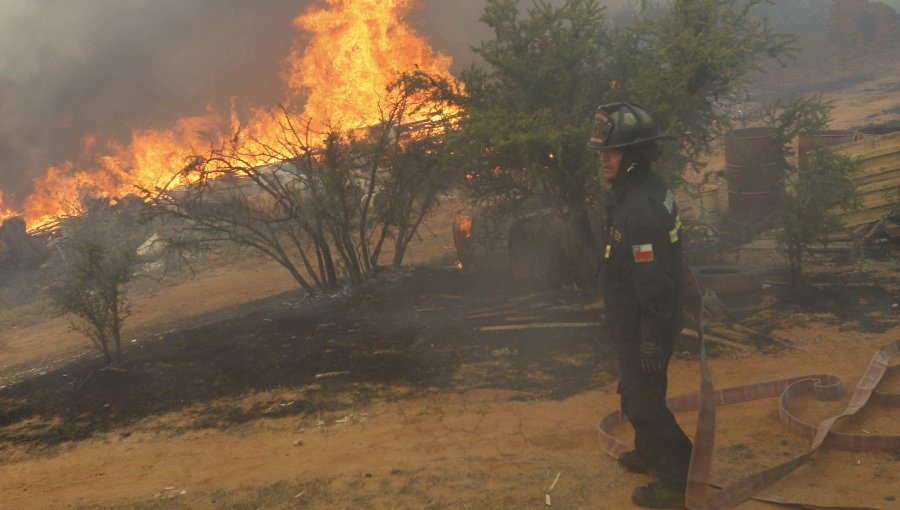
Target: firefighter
column 641, row 271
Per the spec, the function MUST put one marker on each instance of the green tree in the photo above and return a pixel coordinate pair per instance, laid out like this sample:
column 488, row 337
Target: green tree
column 684, row 63
column 97, row 260
column 818, row 186
column 528, row 112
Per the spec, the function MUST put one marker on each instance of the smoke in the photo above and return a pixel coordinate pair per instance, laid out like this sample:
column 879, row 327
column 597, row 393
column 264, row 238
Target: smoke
column 69, row 68
column 73, row 68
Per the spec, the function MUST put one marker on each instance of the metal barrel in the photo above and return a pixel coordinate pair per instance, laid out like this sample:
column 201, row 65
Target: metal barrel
column 751, row 147
column 710, row 209
column 754, row 178
column 808, row 142
column 751, row 205
column 752, row 160
column 754, row 171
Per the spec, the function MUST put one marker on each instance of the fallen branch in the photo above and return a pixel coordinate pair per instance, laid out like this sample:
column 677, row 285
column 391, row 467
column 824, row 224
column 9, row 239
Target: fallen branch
column 542, row 325
column 751, row 331
column 500, row 310
column 329, row 375
column 547, row 500
column 693, row 334
column 555, row 481
column 879, row 223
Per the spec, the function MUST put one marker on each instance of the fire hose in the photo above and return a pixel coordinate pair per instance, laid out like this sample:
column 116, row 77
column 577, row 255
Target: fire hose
column 822, row 386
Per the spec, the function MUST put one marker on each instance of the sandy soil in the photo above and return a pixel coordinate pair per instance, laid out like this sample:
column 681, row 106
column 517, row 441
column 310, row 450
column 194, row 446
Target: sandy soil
column 470, row 419
column 483, row 447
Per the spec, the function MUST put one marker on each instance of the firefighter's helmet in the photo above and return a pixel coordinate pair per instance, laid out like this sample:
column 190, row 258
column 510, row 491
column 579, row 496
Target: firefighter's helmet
column 620, row 125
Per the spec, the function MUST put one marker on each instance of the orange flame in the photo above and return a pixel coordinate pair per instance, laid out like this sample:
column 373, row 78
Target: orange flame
column 356, row 49
column 5, row 212
column 150, row 160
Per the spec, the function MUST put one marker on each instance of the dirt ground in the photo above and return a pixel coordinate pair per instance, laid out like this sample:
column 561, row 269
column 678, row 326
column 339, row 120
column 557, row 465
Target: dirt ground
column 426, row 389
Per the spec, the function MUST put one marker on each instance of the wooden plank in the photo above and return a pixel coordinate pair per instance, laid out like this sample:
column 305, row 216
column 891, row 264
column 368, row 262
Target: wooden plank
column 886, row 175
column 715, row 339
column 879, row 165
column 856, row 218
column 542, row 325
column 871, row 147
column 878, row 198
column 890, row 182
column 875, row 196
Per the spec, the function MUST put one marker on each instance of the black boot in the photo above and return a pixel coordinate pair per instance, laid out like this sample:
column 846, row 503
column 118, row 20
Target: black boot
column 633, row 463
column 657, row 495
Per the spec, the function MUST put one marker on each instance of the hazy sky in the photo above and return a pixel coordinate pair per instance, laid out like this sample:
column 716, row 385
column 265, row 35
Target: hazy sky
column 74, row 67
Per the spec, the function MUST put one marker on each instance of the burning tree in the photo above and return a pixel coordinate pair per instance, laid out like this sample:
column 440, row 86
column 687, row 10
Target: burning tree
column 96, row 258
column 322, row 207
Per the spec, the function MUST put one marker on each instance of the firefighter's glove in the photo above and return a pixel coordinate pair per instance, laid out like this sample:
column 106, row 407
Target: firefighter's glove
column 652, row 358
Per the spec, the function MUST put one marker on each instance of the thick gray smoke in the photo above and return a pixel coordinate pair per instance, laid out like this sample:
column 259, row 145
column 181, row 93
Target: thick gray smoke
column 73, row 67
column 69, row 68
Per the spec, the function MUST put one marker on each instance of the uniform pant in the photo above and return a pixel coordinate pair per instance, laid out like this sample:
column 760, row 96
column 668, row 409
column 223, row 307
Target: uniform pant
column 659, row 441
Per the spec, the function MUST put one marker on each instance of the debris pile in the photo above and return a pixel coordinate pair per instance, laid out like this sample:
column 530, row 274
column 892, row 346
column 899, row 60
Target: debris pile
column 18, row 250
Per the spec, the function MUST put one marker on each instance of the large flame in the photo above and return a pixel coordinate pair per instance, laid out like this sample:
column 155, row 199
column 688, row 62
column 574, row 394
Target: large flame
column 149, row 160
column 358, row 48
column 355, row 49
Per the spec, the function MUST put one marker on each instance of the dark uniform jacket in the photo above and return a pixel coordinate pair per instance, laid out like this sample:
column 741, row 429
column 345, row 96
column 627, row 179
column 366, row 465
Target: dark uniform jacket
column 641, row 267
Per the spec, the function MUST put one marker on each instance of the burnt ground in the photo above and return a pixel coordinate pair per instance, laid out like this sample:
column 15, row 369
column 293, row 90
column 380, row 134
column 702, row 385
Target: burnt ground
column 416, row 330
column 402, row 336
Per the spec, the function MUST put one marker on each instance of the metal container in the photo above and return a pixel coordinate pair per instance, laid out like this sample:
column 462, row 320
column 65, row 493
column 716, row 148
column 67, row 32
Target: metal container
column 808, row 142
column 751, row 147
column 751, row 205
column 754, row 179
column 752, row 160
column 710, row 209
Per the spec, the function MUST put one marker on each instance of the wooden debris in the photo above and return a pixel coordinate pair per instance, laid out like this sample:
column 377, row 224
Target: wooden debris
column 879, row 224
column 541, row 325
column 325, row 326
column 710, row 338
column 751, row 331
column 547, row 499
column 878, row 179
column 500, row 310
column 555, row 481
column 891, row 229
column 521, row 319
column 442, row 296
column 596, row 305
column 329, row 375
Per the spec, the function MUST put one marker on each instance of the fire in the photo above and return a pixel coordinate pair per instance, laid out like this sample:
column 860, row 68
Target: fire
column 5, row 212
column 462, row 237
column 355, row 49
column 150, row 160
column 358, row 47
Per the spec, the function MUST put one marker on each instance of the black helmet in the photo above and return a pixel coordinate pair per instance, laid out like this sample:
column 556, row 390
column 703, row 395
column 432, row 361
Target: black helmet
column 619, row 125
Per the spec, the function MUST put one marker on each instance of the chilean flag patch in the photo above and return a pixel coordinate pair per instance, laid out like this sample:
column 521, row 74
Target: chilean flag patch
column 642, row 252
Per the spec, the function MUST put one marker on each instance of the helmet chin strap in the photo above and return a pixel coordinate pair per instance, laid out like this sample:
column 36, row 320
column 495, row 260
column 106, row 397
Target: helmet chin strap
column 631, row 164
